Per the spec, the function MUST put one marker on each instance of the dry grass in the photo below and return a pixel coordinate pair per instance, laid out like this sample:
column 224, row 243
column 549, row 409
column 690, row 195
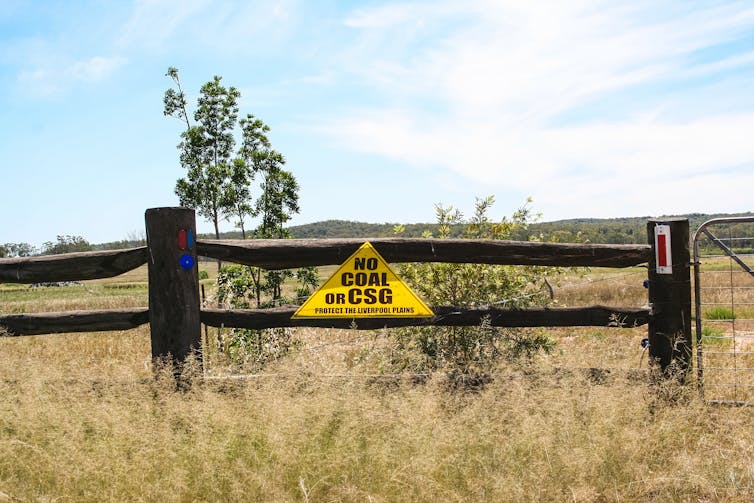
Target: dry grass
column 83, row 418
column 609, row 287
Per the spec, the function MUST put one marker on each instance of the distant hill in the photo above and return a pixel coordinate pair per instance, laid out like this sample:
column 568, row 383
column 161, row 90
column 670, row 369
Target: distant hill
column 596, row 230
column 578, row 230
column 349, row 229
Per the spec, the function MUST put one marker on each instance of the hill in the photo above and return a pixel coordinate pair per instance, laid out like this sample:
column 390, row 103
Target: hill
column 626, row 230
column 596, row 230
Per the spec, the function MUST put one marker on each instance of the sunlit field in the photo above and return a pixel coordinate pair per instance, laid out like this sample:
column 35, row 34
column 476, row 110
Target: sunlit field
column 86, row 417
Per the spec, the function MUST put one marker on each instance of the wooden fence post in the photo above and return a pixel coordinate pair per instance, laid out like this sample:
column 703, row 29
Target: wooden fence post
column 173, row 283
column 670, row 294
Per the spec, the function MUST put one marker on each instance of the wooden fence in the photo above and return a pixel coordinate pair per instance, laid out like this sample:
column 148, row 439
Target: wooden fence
column 175, row 316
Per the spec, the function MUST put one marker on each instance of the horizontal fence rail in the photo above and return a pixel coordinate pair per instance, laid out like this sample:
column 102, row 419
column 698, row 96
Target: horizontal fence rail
column 289, row 253
column 174, row 308
column 597, row 316
column 71, row 266
column 73, row 321
column 284, row 254
column 126, row 319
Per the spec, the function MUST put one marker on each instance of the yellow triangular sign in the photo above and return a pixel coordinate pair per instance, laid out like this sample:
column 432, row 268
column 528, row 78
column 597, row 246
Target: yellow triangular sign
column 364, row 286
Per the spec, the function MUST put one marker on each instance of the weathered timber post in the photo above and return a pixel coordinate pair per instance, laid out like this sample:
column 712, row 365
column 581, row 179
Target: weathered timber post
column 173, row 283
column 670, row 294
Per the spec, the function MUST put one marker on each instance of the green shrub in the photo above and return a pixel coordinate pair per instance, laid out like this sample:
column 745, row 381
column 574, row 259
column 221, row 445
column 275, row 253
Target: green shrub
column 471, row 350
column 236, row 287
column 203, row 275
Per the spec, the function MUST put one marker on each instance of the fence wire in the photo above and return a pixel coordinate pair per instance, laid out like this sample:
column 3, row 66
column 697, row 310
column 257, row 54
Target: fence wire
column 724, row 296
column 581, row 290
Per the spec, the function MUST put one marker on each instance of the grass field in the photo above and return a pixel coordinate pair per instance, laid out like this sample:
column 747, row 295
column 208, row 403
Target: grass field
column 83, row 417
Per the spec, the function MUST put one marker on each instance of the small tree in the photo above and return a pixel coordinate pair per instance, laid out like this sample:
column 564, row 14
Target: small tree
column 471, row 350
column 238, row 202
column 66, row 244
column 279, row 199
column 218, row 184
column 206, row 149
column 251, row 348
column 277, row 202
column 19, row 250
column 275, row 206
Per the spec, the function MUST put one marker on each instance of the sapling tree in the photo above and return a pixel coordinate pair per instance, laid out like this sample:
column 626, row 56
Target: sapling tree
column 66, row 244
column 223, row 158
column 238, row 202
column 279, row 199
column 207, row 147
column 219, row 176
column 174, row 101
column 471, row 350
column 276, row 205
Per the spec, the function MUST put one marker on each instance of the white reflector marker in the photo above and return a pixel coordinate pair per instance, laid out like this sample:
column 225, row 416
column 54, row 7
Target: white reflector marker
column 663, row 257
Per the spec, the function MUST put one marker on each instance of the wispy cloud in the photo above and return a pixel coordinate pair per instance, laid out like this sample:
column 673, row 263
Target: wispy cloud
column 223, row 27
column 94, row 69
column 53, row 78
column 152, row 23
column 488, row 99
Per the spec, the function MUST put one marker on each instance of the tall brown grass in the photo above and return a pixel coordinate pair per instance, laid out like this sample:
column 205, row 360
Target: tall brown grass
column 85, row 417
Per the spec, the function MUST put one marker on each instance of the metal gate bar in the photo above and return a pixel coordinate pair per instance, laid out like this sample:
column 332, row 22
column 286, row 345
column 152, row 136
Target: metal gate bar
column 724, row 309
column 727, row 250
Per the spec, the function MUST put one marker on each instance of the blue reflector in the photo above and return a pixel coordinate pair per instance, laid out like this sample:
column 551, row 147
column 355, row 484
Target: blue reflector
column 187, row 261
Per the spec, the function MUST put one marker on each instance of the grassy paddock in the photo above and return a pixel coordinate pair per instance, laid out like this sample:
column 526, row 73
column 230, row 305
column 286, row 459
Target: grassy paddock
column 82, row 418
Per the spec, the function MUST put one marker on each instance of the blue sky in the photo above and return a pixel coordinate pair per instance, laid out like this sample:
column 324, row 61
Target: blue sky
column 382, row 109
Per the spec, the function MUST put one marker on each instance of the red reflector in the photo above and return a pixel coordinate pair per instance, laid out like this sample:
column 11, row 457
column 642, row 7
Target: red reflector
column 182, row 239
column 662, row 251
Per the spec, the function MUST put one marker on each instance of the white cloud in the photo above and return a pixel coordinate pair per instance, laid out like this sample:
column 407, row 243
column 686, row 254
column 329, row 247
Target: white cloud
column 387, row 16
column 490, row 94
column 203, row 25
column 53, row 78
column 527, row 54
column 153, row 22
column 527, row 157
column 94, row 69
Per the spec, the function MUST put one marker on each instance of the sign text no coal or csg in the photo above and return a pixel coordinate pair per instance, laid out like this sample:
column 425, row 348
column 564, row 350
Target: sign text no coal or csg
column 364, row 286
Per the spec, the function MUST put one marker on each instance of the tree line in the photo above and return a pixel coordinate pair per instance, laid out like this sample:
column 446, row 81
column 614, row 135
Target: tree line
column 62, row 244
column 632, row 230
column 594, row 230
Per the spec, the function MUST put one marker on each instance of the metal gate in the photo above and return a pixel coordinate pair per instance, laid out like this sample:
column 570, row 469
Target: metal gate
column 724, row 298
